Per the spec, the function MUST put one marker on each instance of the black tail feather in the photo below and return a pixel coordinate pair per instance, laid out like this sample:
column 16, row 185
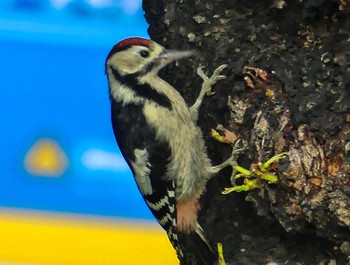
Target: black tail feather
column 195, row 250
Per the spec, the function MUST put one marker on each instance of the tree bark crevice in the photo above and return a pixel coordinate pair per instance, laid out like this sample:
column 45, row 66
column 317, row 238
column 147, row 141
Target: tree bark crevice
column 287, row 90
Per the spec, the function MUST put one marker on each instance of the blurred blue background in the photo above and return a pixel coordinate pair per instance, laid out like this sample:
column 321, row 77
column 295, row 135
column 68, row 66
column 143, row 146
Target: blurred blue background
column 58, row 151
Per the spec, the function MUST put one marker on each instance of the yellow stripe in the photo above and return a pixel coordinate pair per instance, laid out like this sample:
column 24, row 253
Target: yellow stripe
column 48, row 240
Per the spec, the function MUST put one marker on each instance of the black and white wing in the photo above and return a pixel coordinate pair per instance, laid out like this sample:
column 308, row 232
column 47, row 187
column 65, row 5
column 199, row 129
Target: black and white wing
column 148, row 158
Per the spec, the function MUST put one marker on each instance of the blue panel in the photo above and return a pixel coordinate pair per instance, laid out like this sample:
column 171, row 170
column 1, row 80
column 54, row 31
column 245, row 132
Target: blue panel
column 53, row 87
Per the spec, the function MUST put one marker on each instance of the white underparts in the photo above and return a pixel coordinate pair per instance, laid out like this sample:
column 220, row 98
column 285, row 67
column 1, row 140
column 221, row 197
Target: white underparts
column 189, row 163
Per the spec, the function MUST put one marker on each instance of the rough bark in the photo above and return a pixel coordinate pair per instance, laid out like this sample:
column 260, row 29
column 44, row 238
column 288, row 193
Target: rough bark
column 298, row 101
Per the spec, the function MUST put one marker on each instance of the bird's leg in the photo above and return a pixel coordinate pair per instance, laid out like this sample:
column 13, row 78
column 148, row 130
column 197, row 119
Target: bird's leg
column 207, row 84
column 231, row 161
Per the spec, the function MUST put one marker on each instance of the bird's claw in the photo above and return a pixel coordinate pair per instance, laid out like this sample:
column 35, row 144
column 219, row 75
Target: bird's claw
column 231, row 161
column 208, row 82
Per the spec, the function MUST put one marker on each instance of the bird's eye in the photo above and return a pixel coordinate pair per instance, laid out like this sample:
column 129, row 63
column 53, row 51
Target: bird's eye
column 144, row 54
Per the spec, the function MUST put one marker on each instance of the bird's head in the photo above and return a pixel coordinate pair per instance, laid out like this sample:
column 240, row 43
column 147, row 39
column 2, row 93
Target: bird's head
column 140, row 56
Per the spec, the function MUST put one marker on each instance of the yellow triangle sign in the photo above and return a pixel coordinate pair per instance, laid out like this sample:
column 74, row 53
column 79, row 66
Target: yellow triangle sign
column 46, row 158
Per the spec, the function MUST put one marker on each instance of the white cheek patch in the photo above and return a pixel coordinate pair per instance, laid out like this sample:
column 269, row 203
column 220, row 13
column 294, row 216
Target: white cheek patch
column 142, row 170
column 128, row 61
column 122, row 93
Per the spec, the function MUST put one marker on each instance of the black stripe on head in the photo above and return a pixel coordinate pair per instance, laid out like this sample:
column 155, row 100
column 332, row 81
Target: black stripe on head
column 142, row 90
column 153, row 64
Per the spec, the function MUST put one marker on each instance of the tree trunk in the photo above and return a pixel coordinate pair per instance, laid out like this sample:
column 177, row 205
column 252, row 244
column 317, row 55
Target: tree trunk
column 287, row 90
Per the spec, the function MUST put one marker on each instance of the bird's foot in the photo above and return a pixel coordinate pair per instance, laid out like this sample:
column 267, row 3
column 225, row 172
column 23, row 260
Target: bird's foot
column 208, row 82
column 206, row 89
column 231, row 161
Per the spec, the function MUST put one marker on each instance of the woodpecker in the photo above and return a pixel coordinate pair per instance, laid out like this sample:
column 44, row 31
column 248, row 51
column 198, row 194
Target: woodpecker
column 157, row 134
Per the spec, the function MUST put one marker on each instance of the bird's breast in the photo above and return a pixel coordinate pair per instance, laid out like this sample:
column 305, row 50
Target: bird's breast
column 168, row 122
